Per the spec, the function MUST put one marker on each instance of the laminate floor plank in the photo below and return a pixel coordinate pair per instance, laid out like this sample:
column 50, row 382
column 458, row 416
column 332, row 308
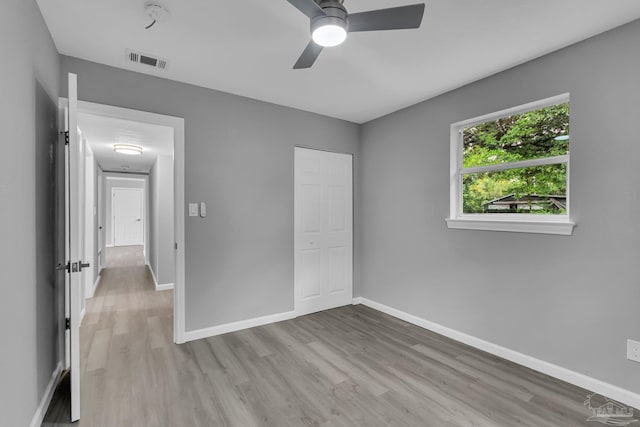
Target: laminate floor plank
column 349, row 366
column 99, row 350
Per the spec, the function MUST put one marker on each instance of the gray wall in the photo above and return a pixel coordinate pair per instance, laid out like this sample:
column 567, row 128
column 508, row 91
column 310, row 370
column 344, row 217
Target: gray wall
column 154, row 223
column 28, row 115
column 572, row 301
column 239, row 160
column 161, row 233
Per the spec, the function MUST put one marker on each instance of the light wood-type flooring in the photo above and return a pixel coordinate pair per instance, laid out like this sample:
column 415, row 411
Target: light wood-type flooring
column 350, row 366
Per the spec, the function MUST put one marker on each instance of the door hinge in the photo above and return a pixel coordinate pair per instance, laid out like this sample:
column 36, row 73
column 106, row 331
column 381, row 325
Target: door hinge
column 67, row 323
column 176, row 246
column 66, row 137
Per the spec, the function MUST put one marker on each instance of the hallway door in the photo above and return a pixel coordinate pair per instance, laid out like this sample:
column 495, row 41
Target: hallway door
column 128, row 216
column 323, row 230
column 74, row 237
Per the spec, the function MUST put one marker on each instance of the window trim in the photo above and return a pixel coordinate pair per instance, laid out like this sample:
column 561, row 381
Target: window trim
column 525, row 223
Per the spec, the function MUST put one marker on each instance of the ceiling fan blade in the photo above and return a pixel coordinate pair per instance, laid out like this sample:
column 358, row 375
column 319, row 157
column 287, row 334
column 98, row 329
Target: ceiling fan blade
column 308, row 7
column 309, row 56
column 394, row 18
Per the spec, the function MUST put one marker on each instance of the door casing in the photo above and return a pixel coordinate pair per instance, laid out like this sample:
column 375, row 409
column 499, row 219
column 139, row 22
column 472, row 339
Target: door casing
column 178, row 125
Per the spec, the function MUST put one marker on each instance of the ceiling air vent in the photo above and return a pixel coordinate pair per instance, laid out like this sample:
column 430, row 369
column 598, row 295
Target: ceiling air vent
column 148, row 60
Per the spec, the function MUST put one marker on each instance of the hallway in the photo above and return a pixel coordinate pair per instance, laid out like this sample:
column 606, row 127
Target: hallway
column 125, row 337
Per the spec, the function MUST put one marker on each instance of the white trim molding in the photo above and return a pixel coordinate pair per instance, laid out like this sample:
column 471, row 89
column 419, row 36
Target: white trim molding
column 494, row 223
column 153, row 275
column 41, row 410
column 178, row 125
column 97, row 282
column 164, row 287
column 156, row 285
column 609, row 390
column 237, row 326
column 513, row 222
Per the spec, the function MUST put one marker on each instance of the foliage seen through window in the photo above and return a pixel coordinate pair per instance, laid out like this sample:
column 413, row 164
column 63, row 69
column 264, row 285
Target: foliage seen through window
column 537, row 189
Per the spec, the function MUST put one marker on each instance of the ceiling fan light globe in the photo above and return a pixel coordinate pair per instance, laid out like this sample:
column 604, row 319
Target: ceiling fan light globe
column 329, row 35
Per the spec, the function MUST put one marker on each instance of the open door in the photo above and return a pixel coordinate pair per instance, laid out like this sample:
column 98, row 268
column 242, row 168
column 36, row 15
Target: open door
column 74, row 237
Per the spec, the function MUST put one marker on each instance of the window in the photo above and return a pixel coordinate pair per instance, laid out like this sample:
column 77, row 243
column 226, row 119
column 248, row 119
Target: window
column 510, row 170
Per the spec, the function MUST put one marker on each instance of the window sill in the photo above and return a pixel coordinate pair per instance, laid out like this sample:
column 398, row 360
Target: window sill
column 562, row 227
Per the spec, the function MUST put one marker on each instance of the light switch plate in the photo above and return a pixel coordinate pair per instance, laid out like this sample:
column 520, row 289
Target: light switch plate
column 633, row 350
column 193, row 209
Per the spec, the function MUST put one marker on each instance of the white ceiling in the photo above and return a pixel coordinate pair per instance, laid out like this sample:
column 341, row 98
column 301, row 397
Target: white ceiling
column 101, row 133
column 248, row 47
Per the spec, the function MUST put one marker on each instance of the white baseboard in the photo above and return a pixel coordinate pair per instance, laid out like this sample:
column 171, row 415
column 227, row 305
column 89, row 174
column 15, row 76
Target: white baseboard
column 164, row 287
column 97, row 282
column 153, row 276
column 609, row 390
column 41, row 411
column 236, row 326
column 159, row 287
column 91, row 292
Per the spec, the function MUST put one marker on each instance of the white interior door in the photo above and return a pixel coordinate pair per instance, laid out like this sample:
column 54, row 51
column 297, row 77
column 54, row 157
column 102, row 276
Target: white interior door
column 75, row 238
column 128, row 216
column 323, row 245
column 100, row 208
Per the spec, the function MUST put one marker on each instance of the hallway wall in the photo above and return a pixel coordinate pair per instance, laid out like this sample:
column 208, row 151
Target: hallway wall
column 28, row 117
column 162, row 233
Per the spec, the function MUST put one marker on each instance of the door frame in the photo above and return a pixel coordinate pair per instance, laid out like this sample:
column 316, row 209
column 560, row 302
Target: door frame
column 142, row 190
column 296, row 306
column 177, row 123
column 89, row 224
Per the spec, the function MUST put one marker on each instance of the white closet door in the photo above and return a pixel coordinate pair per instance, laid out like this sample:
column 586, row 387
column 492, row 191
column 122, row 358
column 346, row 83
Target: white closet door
column 323, row 230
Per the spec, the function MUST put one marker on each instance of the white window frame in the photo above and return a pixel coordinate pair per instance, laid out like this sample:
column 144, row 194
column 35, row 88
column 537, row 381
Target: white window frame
column 525, row 223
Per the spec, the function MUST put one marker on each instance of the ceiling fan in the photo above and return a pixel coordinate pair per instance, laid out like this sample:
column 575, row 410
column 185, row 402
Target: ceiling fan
column 330, row 23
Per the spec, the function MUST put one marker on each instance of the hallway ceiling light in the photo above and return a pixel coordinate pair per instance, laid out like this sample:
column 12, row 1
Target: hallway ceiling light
column 127, row 149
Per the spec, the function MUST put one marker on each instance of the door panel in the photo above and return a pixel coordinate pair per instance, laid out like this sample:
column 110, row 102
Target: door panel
column 310, row 279
column 337, row 269
column 337, row 209
column 75, row 237
column 323, row 246
column 128, row 224
column 311, row 208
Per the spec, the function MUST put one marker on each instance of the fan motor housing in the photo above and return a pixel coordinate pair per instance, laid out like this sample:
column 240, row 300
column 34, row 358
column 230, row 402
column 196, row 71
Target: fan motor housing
column 335, row 14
